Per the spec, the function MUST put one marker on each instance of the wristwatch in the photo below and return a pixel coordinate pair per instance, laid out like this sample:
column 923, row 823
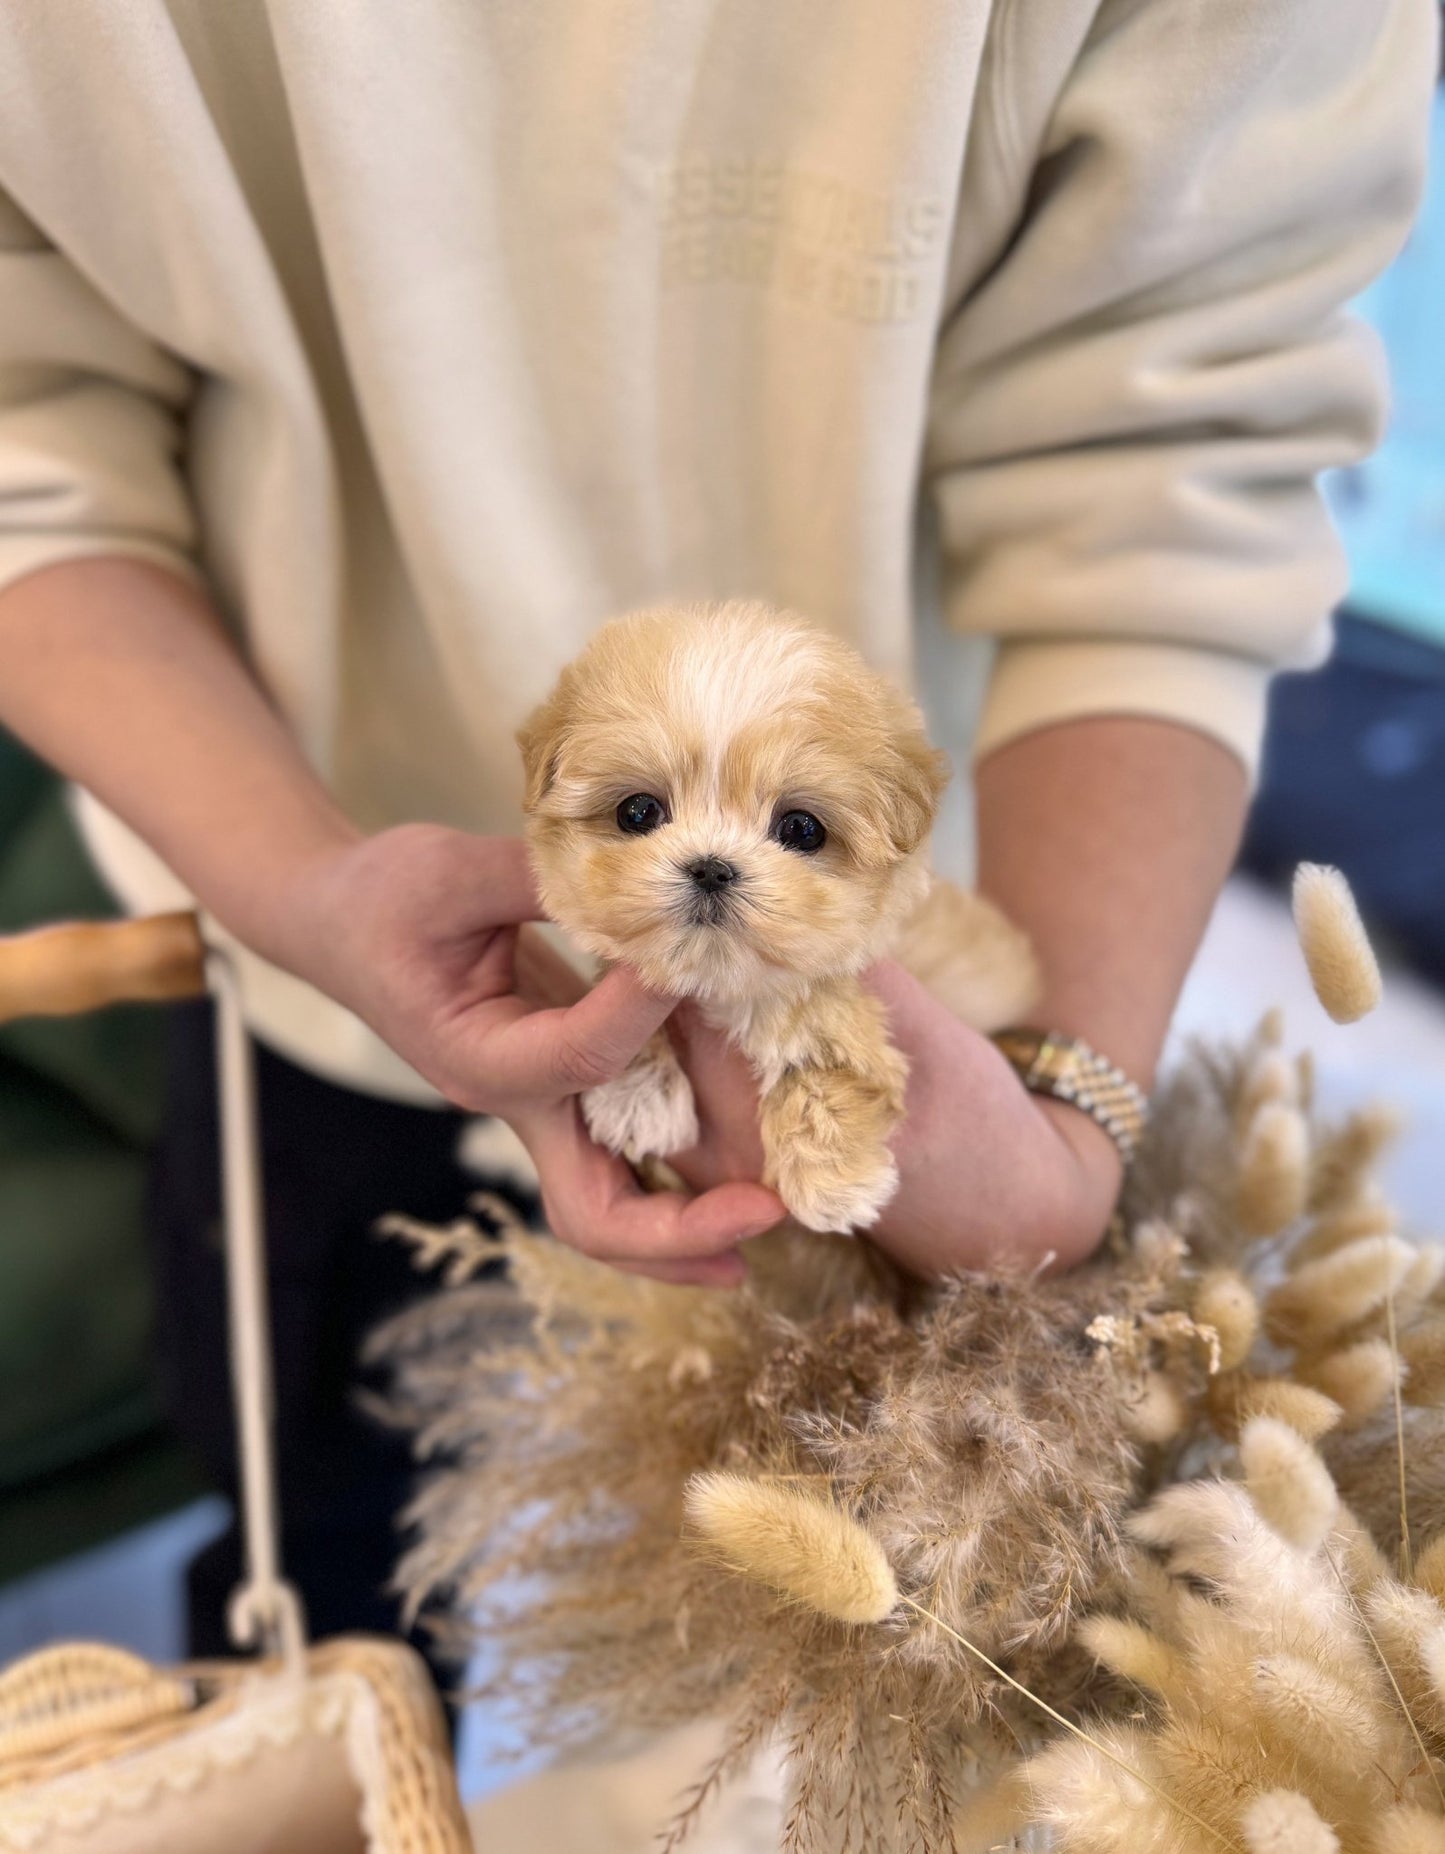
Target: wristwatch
column 1066, row 1068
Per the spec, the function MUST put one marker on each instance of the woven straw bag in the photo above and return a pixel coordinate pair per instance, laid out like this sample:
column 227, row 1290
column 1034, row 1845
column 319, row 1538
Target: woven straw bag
column 330, row 1749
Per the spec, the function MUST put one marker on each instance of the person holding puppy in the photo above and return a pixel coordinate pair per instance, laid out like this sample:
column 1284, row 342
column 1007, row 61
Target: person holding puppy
column 349, row 380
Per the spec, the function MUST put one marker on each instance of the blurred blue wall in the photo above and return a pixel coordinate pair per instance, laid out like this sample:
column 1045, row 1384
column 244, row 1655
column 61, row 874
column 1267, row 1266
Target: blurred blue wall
column 1391, row 509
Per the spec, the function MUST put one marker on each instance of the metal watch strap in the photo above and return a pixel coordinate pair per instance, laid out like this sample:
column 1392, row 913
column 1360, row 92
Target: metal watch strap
column 1067, row 1069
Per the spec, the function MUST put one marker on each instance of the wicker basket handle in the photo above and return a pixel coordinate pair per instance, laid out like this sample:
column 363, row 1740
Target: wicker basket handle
column 82, row 965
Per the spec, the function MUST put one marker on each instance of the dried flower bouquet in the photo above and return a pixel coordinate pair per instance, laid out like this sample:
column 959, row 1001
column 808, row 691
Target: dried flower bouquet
column 1094, row 1558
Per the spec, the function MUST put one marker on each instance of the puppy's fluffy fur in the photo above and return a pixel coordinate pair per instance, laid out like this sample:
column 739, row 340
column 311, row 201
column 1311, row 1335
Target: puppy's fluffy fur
column 731, row 717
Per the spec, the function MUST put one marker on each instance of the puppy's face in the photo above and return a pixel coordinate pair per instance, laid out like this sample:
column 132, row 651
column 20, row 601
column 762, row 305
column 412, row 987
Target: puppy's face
column 728, row 800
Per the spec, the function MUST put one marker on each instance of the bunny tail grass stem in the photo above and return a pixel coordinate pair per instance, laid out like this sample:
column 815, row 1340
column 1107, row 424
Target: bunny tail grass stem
column 1409, row 1717
column 1407, row 1556
column 1094, row 1744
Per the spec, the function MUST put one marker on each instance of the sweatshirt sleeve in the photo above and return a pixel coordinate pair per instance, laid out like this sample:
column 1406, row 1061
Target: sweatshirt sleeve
column 1130, row 412
column 91, row 416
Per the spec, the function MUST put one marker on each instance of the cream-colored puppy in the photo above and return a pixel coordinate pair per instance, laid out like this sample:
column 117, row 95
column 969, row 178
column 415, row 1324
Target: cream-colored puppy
column 730, row 801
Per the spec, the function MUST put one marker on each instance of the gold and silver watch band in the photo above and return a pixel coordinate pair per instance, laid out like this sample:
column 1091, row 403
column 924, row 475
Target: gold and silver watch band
column 1067, row 1069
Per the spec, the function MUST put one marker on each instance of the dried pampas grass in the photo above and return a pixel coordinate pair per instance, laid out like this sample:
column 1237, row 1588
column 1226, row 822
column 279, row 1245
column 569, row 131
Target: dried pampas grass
column 1147, row 1510
column 1337, row 950
column 591, row 1429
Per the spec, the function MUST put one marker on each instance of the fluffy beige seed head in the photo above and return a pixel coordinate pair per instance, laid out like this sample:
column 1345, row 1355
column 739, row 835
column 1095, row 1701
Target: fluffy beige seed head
column 1342, row 964
column 1269, row 1031
column 1135, row 1653
column 1289, row 1484
column 1344, row 1161
column 1421, row 1279
column 1411, row 1630
column 1432, row 1659
column 1304, row 1710
column 1371, row 1215
column 995, row 1815
column 798, row 1545
column 1097, row 1804
column 1226, row 1301
column 1423, row 1352
column 1430, row 1568
column 1360, row 1558
column 1358, row 1377
column 1409, row 1829
column 1236, row 1396
column 1152, row 1409
column 1283, row 1822
column 1322, row 1298
column 1271, row 1076
column 1274, row 1170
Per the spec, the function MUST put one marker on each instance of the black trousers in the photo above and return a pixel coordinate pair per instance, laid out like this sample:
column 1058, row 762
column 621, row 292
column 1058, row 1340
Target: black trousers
column 333, row 1162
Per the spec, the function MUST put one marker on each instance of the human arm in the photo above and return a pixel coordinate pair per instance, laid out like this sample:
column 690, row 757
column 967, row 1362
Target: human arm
column 1148, row 360
column 114, row 665
column 118, row 672
column 1131, row 404
column 1107, row 840
column 1130, row 413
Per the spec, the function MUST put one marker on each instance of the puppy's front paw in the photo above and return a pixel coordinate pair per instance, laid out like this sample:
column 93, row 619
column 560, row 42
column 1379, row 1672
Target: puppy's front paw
column 840, row 1198
column 825, row 1135
column 647, row 1111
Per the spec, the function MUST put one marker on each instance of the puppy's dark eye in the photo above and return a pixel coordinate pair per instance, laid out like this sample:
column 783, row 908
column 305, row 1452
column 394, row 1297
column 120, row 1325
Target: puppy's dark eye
column 800, row 831
column 640, row 814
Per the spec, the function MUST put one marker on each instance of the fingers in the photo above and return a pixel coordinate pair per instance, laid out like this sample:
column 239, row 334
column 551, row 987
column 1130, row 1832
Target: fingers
column 595, row 1204
column 725, row 1091
column 542, row 975
column 545, row 1055
column 897, row 987
column 927, row 1032
column 507, row 888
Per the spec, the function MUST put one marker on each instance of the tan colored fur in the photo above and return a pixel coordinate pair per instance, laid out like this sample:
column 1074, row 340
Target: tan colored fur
column 970, row 956
column 832, row 1093
column 731, row 715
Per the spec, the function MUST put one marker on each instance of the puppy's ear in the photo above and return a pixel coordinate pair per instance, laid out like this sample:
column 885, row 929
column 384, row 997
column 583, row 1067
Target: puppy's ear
column 540, row 738
column 916, row 779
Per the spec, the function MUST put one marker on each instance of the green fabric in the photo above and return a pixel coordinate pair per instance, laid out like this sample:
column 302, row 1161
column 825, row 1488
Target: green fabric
column 80, row 1102
column 98, row 1498
column 76, row 1309
column 110, row 1061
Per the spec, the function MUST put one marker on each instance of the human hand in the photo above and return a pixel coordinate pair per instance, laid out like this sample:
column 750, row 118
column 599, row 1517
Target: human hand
column 419, row 931
column 987, row 1172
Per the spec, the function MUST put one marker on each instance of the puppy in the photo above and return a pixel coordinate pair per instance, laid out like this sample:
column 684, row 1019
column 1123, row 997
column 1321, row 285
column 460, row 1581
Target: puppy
column 729, row 800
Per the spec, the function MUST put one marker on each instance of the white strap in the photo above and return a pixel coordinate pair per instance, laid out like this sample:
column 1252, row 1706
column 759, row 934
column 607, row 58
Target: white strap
column 265, row 1611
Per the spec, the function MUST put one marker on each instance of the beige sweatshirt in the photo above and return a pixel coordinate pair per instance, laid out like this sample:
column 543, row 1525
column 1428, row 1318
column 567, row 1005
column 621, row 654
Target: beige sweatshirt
column 433, row 331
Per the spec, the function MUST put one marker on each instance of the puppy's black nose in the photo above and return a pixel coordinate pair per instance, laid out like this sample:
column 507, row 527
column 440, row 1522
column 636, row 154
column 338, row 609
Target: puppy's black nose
column 712, row 874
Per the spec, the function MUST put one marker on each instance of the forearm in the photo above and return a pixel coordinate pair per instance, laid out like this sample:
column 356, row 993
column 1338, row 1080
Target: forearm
column 121, row 675
column 1107, row 840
